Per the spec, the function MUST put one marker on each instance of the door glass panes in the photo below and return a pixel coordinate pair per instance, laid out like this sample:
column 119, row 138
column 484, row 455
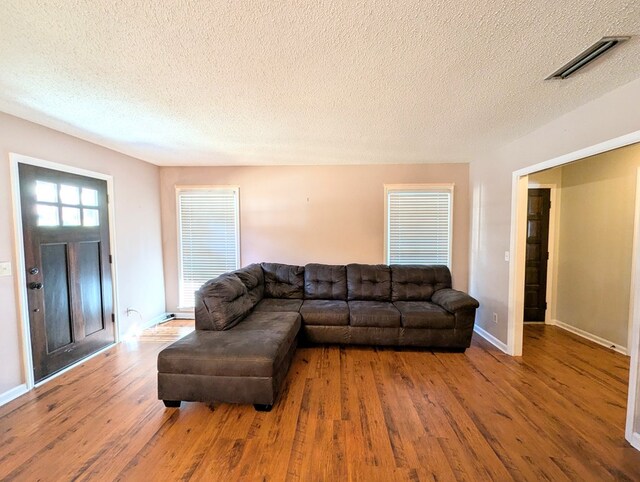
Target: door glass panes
column 47, row 215
column 57, row 205
column 70, row 216
column 46, row 192
column 89, row 198
column 90, row 217
column 69, row 195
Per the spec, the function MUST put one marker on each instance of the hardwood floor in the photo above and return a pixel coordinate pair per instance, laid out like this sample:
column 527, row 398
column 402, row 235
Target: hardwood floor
column 351, row 413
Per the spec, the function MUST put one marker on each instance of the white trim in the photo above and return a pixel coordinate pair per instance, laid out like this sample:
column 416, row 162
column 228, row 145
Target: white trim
column 184, row 315
column 554, row 217
column 448, row 187
column 591, row 337
column 76, row 364
column 490, row 338
column 155, row 320
column 21, row 279
column 632, row 426
column 20, row 273
column 634, row 440
column 517, row 261
column 605, row 146
column 136, row 329
column 13, row 393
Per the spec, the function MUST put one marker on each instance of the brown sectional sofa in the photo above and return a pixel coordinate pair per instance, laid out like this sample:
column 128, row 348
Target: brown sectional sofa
column 248, row 322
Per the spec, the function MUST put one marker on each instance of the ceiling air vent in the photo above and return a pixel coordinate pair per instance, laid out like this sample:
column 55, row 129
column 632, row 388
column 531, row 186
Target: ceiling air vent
column 589, row 55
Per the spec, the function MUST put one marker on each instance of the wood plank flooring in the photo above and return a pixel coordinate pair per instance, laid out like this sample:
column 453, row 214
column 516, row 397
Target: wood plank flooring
column 350, row 413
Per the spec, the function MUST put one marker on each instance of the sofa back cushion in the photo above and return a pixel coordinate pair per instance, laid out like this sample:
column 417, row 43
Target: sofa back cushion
column 222, row 303
column 252, row 277
column 418, row 283
column 325, row 282
column 283, row 281
column 368, row 282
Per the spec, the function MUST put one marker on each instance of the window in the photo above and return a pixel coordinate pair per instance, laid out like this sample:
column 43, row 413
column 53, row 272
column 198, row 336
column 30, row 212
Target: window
column 418, row 224
column 74, row 205
column 208, row 243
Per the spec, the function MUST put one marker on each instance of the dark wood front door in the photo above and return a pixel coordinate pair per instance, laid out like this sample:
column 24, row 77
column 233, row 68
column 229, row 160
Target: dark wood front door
column 67, row 258
column 535, row 289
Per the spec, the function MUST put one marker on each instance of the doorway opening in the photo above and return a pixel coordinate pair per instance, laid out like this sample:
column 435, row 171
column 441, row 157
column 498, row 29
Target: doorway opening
column 627, row 255
column 537, row 254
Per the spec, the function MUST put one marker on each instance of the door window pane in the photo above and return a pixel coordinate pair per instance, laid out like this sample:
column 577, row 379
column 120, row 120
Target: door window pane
column 46, row 192
column 69, row 195
column 70, row 216
column 89, row 197
column 47, row 215
column 91, row 217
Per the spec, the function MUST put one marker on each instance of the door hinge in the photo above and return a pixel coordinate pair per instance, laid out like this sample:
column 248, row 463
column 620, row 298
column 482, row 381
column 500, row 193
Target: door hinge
column 110, row 259
column 113, row 317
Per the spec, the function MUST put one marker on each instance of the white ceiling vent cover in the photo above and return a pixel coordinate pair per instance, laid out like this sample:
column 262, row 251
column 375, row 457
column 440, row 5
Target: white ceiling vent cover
column 589, row 55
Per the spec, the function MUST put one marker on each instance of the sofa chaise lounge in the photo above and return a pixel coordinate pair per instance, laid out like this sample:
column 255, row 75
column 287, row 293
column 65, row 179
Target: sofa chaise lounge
column 248, row 322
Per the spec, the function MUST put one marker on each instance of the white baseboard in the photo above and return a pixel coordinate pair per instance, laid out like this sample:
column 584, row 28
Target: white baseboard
column 155, row 320
column 12, row 394
column 184, row 315
column 634, row 440
column 491, row 339
column 589, row 336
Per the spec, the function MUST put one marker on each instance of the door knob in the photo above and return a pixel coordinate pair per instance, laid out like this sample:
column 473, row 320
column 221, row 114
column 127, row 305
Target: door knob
column 35, row 286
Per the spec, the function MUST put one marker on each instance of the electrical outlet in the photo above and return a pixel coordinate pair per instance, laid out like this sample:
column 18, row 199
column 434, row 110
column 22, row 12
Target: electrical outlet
column 5, row 269
column 506, row 256
column 495, row 317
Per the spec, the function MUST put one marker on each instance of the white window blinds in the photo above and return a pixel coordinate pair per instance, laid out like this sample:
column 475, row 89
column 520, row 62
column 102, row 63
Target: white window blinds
column 209, row 237
column 419, row 225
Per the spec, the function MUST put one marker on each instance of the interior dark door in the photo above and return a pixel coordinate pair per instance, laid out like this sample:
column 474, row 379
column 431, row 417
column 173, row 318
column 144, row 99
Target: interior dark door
column 66, row 244
column 535, row 289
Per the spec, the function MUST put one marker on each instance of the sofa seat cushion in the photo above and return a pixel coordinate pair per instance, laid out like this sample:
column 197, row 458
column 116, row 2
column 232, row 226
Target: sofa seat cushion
column 379, row 314
column 276, row 304
column 422, row 314
column 254, row 348
column 325, row 312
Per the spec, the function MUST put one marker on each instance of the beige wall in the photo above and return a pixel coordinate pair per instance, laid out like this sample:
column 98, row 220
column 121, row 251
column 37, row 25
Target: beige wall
column 607, row 117
column 137, row 223
column 548, row 176
column 596, row 240
column 303, row 214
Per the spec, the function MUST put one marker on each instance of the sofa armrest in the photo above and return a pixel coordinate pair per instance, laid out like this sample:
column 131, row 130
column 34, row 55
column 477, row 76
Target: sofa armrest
column 454, row 301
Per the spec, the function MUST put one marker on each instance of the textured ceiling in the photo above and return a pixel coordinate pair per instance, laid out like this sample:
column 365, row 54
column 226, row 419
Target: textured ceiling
column 306, row 82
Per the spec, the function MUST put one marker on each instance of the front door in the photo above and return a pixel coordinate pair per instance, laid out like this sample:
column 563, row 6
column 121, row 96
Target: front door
column 67, row 258
column 537, row 254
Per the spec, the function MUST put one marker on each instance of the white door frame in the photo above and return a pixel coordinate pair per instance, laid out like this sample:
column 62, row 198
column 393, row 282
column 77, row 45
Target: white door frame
column 632, row 428
column 21, row 277
column 554, row 213
column 516, row 272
